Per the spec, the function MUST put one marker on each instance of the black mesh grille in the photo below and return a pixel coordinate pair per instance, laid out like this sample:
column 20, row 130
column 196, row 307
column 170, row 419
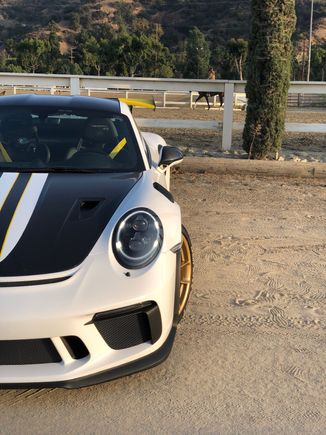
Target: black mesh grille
column 129, row 327
column 20, row 352
column 125, row 331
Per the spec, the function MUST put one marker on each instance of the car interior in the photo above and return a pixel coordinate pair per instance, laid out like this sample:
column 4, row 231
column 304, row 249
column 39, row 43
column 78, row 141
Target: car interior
column 67, row 139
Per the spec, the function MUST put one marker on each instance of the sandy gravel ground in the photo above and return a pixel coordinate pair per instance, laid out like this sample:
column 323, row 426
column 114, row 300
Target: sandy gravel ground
column 250, row 354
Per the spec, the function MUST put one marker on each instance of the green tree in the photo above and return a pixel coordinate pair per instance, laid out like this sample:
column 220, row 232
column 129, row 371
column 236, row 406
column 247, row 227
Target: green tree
column 52, row 55
column 65, row 66
column 3, row 59
column 31, row 54
column 109, row 54
column 269, row 70
column 142, row 56
column 92, row 55
column 88, row 53
column 131, row 52
column 238, row 50
column 197, row 55
column 157, row 59
column 12, row 68
column 222, row 63
column 318, row 63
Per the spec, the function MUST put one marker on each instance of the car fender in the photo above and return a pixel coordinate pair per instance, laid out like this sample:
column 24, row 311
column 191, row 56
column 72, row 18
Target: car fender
column 145, row 195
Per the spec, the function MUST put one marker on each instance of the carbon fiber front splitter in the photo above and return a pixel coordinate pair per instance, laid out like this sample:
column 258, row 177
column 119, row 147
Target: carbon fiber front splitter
column 141, row 364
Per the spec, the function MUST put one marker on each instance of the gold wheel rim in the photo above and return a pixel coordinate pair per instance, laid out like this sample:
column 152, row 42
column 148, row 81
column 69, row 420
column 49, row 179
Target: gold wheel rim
column 186, row 274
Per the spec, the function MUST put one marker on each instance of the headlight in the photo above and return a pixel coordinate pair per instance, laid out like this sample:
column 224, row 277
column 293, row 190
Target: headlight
column 137, row 239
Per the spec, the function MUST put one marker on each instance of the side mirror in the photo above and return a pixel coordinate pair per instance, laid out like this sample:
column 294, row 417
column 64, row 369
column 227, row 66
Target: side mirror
column 170, row 156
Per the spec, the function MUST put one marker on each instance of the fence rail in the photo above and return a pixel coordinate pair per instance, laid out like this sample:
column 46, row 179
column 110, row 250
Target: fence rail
column 194, row 124
column 86, row 85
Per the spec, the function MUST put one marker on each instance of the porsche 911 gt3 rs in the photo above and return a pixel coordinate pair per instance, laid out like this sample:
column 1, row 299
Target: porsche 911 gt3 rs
column 95, row 265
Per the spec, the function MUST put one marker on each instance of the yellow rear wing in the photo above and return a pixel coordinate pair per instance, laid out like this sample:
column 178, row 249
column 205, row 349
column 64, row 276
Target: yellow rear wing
column 139, row 102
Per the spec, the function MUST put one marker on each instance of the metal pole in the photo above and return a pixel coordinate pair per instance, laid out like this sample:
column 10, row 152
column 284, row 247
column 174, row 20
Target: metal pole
column 228, row 117
column 310, row 39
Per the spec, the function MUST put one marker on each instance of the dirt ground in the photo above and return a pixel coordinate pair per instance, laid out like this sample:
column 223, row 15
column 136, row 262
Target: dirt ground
column 296, row 146
column 250, row 354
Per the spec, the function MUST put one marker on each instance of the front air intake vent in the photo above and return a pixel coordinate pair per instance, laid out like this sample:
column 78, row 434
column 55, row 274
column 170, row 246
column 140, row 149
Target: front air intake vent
column 75, row 347
column 20, row 352
column 130, row 326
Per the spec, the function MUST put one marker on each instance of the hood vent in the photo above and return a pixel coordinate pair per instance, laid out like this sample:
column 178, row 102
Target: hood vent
column 86, row 208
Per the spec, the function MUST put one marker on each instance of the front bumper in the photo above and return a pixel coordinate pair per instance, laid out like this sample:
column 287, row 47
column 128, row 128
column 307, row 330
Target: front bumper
column 67, row 308
column 144, row 363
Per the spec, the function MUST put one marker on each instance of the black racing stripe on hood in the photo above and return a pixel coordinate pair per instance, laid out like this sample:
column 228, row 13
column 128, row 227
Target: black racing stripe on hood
column 10, row 205
column 70, row 216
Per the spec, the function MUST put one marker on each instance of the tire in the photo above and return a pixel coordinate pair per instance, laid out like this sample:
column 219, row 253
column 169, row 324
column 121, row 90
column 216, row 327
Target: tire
column 186, row 273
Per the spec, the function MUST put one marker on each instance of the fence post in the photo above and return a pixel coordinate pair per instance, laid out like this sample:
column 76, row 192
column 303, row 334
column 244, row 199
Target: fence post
column 164, row 99
column 235, row 100
column 74, row 85
column 191, row 100
column 299, row 100
column 228, row 116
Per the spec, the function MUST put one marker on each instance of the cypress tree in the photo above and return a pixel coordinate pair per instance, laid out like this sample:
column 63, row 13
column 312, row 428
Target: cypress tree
column 269, row 71
column 197, row 55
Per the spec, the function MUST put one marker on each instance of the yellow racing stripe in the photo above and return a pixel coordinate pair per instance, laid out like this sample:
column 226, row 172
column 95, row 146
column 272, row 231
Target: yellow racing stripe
column 118, row 148
column 5, row 154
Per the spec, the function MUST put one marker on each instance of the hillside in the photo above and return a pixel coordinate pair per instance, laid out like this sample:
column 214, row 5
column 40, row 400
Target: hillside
column 218, row 19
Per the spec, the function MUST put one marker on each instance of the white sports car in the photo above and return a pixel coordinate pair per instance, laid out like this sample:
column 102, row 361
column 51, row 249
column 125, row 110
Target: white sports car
column 95, row 266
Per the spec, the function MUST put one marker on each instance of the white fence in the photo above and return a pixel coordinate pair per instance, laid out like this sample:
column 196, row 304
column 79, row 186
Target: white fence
column 194, row 124
column 77, row 85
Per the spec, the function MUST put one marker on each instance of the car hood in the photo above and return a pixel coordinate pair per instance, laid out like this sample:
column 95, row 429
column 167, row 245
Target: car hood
column 49, row 223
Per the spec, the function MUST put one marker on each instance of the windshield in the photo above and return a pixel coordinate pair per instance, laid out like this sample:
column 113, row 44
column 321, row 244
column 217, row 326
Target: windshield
column 47, row 139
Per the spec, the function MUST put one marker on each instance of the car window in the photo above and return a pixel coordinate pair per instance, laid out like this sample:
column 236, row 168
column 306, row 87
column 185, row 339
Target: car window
column 50, row 139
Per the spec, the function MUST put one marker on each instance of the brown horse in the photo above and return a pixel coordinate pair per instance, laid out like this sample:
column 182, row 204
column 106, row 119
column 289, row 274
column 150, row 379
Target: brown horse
column 210, row 94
